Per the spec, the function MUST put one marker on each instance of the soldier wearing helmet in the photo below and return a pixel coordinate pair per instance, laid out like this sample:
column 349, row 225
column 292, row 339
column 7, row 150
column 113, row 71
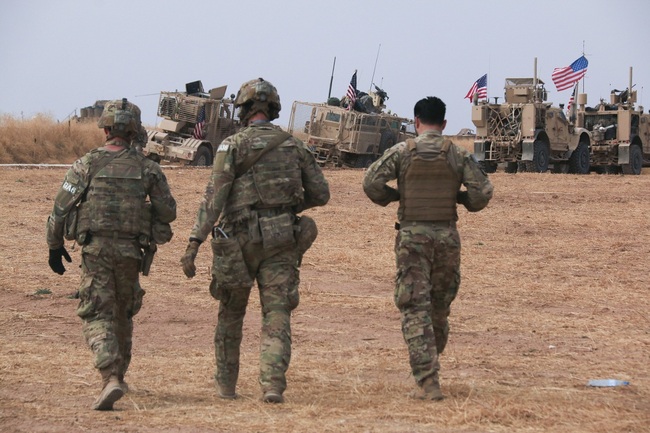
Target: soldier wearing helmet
column 117, row 205
column 262, row 178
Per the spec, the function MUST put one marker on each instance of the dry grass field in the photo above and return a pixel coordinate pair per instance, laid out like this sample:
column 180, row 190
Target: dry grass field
column 555, row 292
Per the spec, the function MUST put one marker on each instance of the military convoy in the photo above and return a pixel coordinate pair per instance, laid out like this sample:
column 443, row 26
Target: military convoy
column 620, row 133
column 193, row 125
column 348, row 137
column 526, row 133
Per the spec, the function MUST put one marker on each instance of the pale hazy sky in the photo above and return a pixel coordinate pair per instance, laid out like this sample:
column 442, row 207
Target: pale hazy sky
column 60, row 55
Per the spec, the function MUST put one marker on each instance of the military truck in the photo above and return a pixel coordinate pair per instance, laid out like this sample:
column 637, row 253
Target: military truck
column 92, row 113
column 526, row 133
column 345, row 137
column 193, row 125
column 620, row 134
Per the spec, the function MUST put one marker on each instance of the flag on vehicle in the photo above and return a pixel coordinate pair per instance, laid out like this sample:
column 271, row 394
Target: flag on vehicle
column 200, row 123
column 572, row 98
column 352, row 91
column 564, row 78
column 480, row 87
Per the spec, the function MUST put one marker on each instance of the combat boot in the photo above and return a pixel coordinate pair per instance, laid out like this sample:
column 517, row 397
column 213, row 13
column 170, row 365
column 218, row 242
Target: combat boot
column 226, row 392
column 429, row 390
column 273, row 397
column 111, row 393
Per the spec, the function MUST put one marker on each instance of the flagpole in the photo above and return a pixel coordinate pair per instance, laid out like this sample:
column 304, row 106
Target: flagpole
column 372, row 80
column 329, row 94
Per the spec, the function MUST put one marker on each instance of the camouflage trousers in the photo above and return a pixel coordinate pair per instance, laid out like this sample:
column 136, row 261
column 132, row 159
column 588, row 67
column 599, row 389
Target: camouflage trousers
column 110, row 295
column 276, row 272
column 428, row 277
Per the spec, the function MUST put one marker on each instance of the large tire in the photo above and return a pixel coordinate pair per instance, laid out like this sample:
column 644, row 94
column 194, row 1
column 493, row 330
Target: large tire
column 636, row 161
column 511, row 167
column 579, row 159
column 386, row 142
column 203, row 157
column 364, row 161
column 488, row 166
column 541, row 157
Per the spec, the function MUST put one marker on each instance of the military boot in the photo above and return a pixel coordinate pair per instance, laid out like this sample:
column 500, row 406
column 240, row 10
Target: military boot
column 272, row 397
column 429, row 390
column 111, row 392
column 226, row 392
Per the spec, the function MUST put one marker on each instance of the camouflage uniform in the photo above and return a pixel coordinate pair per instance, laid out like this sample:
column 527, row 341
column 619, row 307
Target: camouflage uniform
column 110, row 293
column 427, row 250
column 285, row 181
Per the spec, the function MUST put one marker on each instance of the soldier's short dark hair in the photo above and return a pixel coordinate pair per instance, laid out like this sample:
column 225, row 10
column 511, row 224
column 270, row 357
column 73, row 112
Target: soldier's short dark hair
column 430, row 110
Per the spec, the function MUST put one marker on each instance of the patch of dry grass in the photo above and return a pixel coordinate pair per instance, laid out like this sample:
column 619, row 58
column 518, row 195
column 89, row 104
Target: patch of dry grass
column 43, row 140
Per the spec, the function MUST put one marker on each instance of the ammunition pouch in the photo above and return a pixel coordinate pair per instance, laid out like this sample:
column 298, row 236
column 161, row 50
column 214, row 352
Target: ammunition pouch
column 229, row 271
column 277, row 231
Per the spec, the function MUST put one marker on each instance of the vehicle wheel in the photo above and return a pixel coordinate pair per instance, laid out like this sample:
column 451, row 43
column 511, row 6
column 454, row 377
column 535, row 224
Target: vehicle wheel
column 387, row 141
column 511, row 167
column 579, row 159
column 488, row 166
column 540, row 161
column 203, row 157
column 364, row 161
column 636, row 161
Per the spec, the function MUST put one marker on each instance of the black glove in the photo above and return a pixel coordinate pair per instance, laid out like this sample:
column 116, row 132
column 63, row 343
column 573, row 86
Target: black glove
column 55, row 261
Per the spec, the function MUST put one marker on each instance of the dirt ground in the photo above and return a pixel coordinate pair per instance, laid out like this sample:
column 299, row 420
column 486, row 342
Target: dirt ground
column 555, row 292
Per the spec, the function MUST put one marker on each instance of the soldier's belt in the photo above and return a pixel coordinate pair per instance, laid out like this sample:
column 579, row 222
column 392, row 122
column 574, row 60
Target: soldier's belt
column 113, row 235
column 445, row 224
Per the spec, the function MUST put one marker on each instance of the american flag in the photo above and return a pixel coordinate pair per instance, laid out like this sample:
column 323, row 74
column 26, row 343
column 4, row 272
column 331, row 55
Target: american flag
column 563, row 78
column 572, row 98
column 480, row 87
column 352, row 91
column 200, row 123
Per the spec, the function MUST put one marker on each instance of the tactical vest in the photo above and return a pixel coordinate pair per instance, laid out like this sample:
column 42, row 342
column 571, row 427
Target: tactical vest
column 275, row 181
column 115, row 199
column 430, row 186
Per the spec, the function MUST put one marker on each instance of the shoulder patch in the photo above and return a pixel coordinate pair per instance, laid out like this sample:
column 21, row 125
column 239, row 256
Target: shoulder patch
column 69, row 187
column 223, row 147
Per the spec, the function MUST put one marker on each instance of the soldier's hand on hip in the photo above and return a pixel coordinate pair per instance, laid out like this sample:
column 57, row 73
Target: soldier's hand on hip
column 55, row 262
column 188, row 259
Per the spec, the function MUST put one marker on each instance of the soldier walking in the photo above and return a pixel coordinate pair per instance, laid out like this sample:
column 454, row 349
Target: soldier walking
column 429, row 170
column 261, row 179
column 117, row 205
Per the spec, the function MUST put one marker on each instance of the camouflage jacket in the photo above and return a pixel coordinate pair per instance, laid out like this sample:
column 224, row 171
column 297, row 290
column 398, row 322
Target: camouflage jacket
column 394, row 163
column 76, row 181
column 230, row 156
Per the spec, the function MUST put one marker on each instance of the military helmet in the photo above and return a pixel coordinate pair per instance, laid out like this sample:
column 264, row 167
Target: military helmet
column 121, row 116
column 258, row 95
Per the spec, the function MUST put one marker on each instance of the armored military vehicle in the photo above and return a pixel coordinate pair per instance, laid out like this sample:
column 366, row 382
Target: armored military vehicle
column 620, row 133
column 527, row 133
column 349, row 138
column 91, row 113
column 193, row 125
